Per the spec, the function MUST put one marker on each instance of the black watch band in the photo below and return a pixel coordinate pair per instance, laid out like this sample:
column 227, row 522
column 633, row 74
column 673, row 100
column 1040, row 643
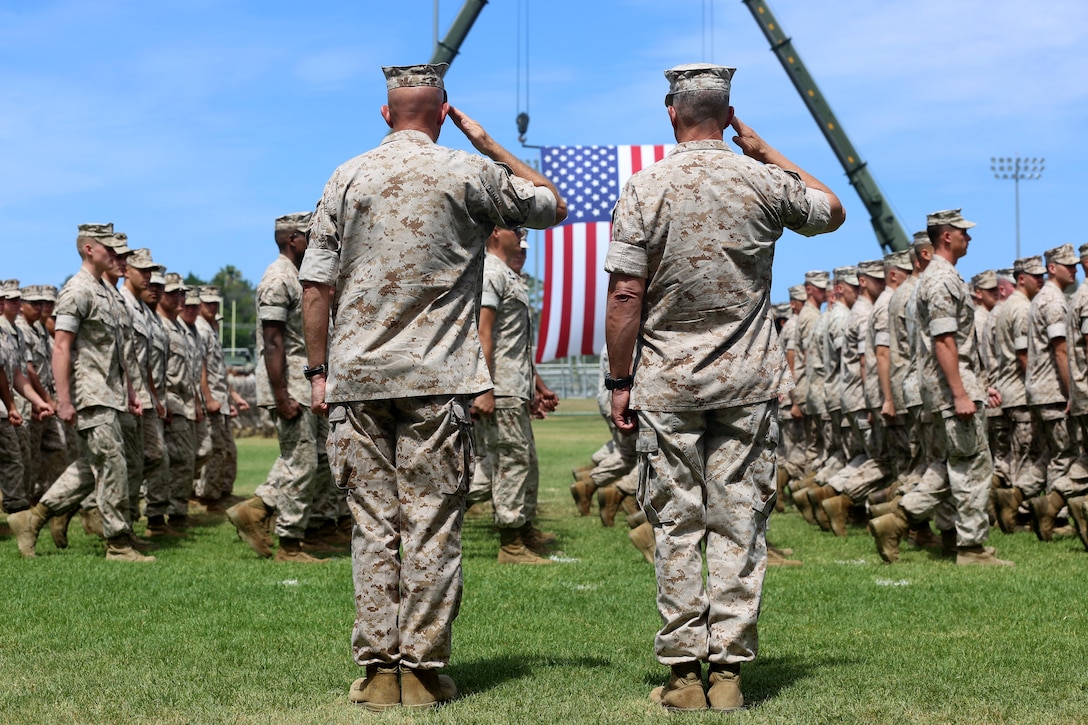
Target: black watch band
column 311, row 373
column 624, row 383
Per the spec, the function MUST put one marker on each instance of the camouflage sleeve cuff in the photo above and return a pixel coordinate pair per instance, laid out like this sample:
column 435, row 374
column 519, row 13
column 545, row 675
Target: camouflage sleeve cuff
column 489, row 299
column 541, row 208
column 321, row 266
column 861, row 347
column 272, row 313
column 882, row 339
column 838, row 342
column 819, row 213
column 626, row 259
column 1020, row 343
column 68, row 323
column 942, row 326
column 1055, row 331
column 1084, row 326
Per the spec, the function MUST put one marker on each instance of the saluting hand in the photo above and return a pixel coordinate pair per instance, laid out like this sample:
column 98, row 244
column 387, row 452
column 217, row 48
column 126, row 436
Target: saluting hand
column 748, row 140
column 473, row 131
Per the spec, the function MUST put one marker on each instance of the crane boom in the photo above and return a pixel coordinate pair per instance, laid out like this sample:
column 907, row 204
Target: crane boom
column 889, row 232
column 447, row 48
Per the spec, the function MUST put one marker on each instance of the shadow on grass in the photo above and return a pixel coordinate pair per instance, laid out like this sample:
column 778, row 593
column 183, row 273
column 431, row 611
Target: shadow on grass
column 485, row 674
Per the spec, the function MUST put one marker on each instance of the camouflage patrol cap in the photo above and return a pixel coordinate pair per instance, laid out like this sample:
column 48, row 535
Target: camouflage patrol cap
column 49, row 293
column 950, row 217
column 847, row 275
column 210, row 293
column 172, row 282
column 120, row 243
column 817, row 278
column 425, row 75
column 32, row 293
column 872, row 268
column 192, row 296
column 899, row 260
column 1083, row 251
column 141, row 259
column 1062, row 254
column 297, row 222
column 697, row 77
column 96, row 231
column 781, row 310
column 920, row 239
column 9, row 289
column 157, row 275
column 797, row 292
column 986, row 279
column 1029, row 265
column 1006, row 274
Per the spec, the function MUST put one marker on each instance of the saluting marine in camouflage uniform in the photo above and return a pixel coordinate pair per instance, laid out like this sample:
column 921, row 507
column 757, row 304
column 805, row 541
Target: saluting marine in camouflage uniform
column 706, row 409
column 396, row 253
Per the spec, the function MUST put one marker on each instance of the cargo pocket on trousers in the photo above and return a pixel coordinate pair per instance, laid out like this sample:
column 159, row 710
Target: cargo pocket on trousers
column 463, row 448
column 648, row 449
column 338, row 443
column 764, row 474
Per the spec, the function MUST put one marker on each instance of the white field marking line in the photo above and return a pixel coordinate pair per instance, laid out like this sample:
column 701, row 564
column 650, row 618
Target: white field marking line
column 289, row 582
column 892, row 582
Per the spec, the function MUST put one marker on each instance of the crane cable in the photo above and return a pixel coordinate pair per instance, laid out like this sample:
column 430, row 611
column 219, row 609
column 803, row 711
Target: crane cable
column 522, row 68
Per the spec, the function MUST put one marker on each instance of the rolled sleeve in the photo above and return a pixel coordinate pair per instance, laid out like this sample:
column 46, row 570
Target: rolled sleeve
column 882, row 339
column 942, row 326
column 1020, row 343
column 1056, row 331
column 542, row 208
column 271, row 313
column 819, row 214
column 320, row 266
column 68, row 323
column 626, row 259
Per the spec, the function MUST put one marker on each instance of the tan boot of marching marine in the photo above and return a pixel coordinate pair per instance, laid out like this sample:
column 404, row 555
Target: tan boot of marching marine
column 379, row 690
column 887, row 530
column 642, row 536
column 782, row 481
column 723, row 688
column 581, row 471
column 58, row 529
column 837, row 508
column 582, row 492
column 539, row 542
column 884, row 495
column 684, row 693
column 158, row 528
column 609, row 499
column 1043, row 509
column 629, row 506
column 879, row 509
column 800, row 500
column 1078, row 512
column 780, row 557
column 1008, row 503
column 250, row 518
column 92, row 522
column 425, row 688
column 119, row 549
column 26, row 525
column 290, row 551
column 979, row 556
column 816, row 497
column 922, row 537
column 512, row 550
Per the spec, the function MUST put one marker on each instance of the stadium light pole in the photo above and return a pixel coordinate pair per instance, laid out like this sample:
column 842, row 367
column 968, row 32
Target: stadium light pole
column 1017, row 168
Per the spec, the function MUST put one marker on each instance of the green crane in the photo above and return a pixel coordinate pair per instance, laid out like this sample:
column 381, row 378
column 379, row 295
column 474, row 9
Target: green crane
column 889, row 232
column 448, row 47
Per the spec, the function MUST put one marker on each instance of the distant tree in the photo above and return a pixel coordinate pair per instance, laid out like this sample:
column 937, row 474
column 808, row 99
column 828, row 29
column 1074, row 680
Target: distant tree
column 193, row 281
column 239, row 307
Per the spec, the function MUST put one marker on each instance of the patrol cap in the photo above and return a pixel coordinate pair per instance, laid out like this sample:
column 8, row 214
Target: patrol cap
column 425, row 75
column 872, row 268
column 120, row 243
column 1006, row 273
column 9, row 289
column 899, row 260
column 817, row 278
column 49, row 293
column 847, row 275
column 780, row 310
column 210, row 293
column 797, row 292
column 950, row 217
column 921, row 238
column 1029, row 265
column 33, row 293
column 192, row 296
column 297, row 222
column 97, row 231
column 985, row 280
column 697, row 77
column 141, row 259
column 1063, row 254
column 157, row 273
column 172, row 282
column 1083, row 251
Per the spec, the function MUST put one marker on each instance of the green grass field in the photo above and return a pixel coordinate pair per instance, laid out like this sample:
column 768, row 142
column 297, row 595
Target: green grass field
column 212, row 634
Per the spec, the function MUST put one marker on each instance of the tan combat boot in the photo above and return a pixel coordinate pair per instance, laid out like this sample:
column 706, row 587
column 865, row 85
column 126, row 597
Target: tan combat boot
column 780, row 557
column 1043, row 509
column 609, row 499
column 1079, row 513
column 782, row 478
column 539, row 542
column 723, row 688
column 879, row 509
column 26, row 525
column 581, row 471
column 91, row 518
column 291, row 551
column 816, row 497
column 58, row 529
column 425, row 688
column 582, row 493
column 512, row 549
column 1008, row 503
column 119, row 549
column 837, row 508
column 887, row 530
column 379, row 690
column 921, row 536
column 685, row 689
column 800, row 500
column 250, row 518
column 158, row 528
column 884, row 495
column 642, row 536
column 980, row 556
column 629, row 506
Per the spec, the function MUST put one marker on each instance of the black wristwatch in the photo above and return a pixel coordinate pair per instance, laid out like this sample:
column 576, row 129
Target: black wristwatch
column 311, row 373
column 624, row 383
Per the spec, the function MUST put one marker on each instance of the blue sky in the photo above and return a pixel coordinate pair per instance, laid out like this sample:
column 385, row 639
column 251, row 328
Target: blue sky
column 192, row 125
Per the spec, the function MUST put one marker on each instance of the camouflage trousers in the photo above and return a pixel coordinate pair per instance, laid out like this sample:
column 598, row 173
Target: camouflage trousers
column 221, row 468
column 132, row 431
column 792, row 445
column 179, row 435
column 866, row 472
column 835, row 459
column 12, row 469
column 815, row 449
column 1061, row 441
column 202, row 446
column 959, row 472
column 1020, row 463
column 54, row 456
column 156, row 483
column 707, row 480
column 30, row 445
column 619, row 462
column 101, row 470
column 897, row 448
column 405, row 464
column 510, row 463
column 601, row 453
column 301, row 477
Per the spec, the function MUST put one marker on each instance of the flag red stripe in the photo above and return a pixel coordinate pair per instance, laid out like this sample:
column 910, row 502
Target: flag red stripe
column 546, row 310
column 563, row 339
column 589, row 310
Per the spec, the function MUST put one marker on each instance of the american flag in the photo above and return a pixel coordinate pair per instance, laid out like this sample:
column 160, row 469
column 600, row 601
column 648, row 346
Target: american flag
column 589, row 178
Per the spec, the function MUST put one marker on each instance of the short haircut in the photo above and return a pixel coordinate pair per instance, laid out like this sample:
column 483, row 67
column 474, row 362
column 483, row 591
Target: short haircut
column 698, row 106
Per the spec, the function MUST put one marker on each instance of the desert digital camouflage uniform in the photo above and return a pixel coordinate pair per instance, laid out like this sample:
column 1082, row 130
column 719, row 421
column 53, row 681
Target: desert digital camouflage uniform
column 221, row 467
column 86, row 308
column 42, row 432
column 856, row 430
column 791, row 441
column 806, row 375
column 834, row 335
column 202, row 437
column 884, row 327
column 156, row 455
column 960, row 468
column 11, row 459
column 1078, row 374
column 508, row 433
column 404, row 359
column 181, row 400
column 707, row 416
column 19, row 357
column 301, row 478
column 1011, row 338
column 816, row 372
column 1049, row 320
